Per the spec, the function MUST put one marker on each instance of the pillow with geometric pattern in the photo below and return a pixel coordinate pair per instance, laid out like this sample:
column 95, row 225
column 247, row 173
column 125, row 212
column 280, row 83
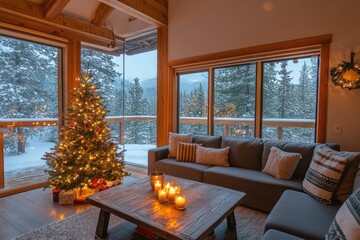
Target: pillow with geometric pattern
column 324, row 174
column 346, row 224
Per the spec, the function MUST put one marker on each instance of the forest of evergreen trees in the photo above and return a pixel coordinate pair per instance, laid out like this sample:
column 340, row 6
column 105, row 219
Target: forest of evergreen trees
column 235, row 93
column 29, row 89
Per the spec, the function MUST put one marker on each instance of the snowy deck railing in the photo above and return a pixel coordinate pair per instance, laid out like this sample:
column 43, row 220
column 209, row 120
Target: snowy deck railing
column 280, row 123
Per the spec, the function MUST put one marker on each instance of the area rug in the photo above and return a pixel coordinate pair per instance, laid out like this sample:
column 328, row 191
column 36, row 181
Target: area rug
column 82, row 226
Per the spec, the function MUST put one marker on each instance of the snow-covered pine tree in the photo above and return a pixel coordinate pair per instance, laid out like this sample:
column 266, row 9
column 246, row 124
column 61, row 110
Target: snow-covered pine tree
column 105, row 68
column 136, row 131
column 85, row 150
column 27, row 72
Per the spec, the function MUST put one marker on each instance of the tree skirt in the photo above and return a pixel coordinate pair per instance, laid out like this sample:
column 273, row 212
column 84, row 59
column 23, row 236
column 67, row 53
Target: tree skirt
column 250, row 225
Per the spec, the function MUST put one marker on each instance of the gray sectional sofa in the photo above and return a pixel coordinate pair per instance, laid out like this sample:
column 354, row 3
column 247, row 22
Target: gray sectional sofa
column 247, row 157
column 293, row 213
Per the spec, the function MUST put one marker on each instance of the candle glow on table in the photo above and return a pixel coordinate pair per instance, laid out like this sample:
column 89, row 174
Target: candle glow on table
column 162, row 195
column 177, row 190
column 157, row 186
column 180, row 202
column 171, row 194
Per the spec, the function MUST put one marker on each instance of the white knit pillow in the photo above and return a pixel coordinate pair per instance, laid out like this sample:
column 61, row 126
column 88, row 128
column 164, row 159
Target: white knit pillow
column 281, row 164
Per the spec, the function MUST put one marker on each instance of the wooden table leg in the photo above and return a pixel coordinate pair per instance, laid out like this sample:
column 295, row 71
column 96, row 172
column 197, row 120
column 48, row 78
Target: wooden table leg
column 231, row 223
column 102, row 225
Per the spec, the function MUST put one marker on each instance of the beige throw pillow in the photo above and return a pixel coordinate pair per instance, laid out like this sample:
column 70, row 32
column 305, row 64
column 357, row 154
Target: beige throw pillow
column 212, row 156
column 281, row 164
column 174, row 139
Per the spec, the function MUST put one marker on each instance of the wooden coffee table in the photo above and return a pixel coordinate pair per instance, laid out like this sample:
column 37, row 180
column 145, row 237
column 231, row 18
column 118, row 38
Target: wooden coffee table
column 206, row 207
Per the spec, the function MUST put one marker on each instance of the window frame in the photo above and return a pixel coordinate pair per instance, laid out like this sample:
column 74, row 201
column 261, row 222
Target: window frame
column 61, row 44
column 319, row 45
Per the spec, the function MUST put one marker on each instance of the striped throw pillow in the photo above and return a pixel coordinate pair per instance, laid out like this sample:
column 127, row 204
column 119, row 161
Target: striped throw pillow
column 186, row 152
column 324, row 174
column 346, row 224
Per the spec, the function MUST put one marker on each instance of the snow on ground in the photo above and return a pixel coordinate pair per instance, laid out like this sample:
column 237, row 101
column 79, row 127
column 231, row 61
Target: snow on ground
column 135, row 153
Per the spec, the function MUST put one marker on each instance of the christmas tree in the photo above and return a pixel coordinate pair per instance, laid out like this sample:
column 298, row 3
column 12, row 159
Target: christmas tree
column 85, row 150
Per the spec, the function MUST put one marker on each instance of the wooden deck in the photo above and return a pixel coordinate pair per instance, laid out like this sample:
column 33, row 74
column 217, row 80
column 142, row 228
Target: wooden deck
column 27, row 211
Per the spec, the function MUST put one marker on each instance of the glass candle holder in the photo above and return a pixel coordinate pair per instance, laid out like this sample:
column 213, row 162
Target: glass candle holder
column 162, row 195
column 156, row 176
column 180, row 202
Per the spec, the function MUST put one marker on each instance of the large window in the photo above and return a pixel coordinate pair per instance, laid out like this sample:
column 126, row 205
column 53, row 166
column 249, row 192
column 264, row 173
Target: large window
column 129, row 85
column 272, row 99
column 29, row 93
column 234, row 100
column 193, row 102
column 289, row 99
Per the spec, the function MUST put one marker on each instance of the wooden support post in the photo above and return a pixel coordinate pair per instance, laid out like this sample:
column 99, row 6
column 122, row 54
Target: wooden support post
column 2, row 176
column 164, row 103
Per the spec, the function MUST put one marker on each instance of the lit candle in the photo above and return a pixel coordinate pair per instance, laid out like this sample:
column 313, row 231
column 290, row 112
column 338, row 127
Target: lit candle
column 167, row 187
column 180, row 202
column 162, row 195
column 171, row 194
column 157, row 187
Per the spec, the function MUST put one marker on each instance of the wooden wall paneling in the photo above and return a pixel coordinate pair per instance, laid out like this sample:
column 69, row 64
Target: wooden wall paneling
column 323, row 93
column 163, row 85
column 151, row 11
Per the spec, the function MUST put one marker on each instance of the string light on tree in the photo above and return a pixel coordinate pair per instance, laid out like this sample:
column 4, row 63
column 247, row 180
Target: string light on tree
column 85, row 150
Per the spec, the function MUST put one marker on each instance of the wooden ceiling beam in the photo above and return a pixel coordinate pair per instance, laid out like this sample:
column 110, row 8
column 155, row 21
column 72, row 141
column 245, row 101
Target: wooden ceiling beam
column 154, row 12
column 34, row 12
column 102, row 13
column 10, row 21
column 52, row 8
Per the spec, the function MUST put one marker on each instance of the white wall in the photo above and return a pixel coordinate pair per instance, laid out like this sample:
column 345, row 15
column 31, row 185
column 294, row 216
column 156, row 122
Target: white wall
column 198, row 27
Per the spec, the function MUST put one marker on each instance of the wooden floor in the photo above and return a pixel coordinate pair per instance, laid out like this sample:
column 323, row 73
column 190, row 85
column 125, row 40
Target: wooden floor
column 27, row 211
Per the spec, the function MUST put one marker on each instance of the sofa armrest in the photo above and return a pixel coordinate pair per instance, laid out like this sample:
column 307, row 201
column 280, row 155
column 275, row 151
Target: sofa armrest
column 156, row 154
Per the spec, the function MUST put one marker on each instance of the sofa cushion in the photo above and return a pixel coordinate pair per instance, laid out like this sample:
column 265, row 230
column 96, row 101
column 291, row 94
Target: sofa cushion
column 299, row 214
column 244, row 153
column 324, row 173
column 262, row 190
column 187, row 170
column 272, row 234
column 212, row 156
column 174, row 139
column 281, row 164
column 346, row 224
column 207, row 141
column 305, row 149
column 186, row 152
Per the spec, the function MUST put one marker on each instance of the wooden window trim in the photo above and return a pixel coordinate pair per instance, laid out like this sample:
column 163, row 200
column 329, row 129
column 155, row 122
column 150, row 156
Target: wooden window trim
column 319, row 45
